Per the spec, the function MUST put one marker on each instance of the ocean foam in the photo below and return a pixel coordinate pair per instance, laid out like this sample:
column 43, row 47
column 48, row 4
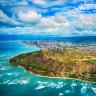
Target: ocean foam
column 83, row 89
column 9, row 74
column 42, row 83
column 52, row 85
column 21, row 81
column 94, row 90
column 59, row 85
column 61, row 94
column 4, row 68
column 6, row 82
column 39, row 87
column 73, row 84
column 14, row 73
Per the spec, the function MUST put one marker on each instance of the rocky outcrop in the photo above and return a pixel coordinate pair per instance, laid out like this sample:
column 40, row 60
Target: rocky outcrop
column 57, row 63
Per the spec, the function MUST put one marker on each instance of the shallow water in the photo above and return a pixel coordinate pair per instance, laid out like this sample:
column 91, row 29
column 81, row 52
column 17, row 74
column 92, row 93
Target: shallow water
column 15, row 81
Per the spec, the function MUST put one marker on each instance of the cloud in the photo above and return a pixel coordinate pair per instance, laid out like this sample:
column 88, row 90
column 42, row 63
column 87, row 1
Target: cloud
column 61, row 17
column 24, row 2
column 40, row 2
column 3, row 17
column 29, row 17
column 53, row 24
column 54, row 21
column 88, row 19
column 62, row 20
column 7, row 20
column 48, row 3
column 87, row 6
column 62, row 3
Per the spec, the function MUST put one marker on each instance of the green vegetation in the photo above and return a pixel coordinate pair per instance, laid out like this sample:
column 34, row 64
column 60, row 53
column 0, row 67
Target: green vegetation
column 90, row 61
column 73, row 75
column 68, row 48
column 84, row 76
column 59, row 63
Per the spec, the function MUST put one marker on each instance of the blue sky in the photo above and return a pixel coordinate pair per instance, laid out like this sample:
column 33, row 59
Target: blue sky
column 48, row 17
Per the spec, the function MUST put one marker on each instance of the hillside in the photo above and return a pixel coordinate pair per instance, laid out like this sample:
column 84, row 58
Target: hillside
column 58, row 63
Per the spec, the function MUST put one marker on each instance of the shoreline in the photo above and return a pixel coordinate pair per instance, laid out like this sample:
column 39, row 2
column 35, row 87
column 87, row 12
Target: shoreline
column 56, row 77
column 50, row 76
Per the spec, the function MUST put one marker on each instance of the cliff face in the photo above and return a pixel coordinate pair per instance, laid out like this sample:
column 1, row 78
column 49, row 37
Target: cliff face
column 74, row 64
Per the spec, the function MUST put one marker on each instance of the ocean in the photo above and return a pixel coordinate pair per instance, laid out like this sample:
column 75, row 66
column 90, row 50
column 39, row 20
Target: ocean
column 15, row 81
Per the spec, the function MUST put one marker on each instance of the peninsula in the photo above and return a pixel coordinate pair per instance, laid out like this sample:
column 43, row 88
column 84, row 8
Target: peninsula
column 59, row 63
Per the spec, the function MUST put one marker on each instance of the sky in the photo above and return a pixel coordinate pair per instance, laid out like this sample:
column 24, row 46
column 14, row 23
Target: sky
column 48, row 17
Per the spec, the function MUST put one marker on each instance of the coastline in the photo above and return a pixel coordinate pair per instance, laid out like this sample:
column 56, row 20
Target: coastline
column 40, row 75
column 56, row 77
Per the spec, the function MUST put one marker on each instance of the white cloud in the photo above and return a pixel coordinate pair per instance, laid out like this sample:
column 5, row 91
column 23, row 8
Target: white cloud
column 47, row 25
column 30, row 16
column 48, row 22
column 87, row 6
column 81, row 9
column 54, row 21
column 24, row 2
column 67, row 20
column 62, row 20
column 86, row 1
column 53, row 24
column 41, row 2
column 47, row 3
column 88, row 19
column 3, row 17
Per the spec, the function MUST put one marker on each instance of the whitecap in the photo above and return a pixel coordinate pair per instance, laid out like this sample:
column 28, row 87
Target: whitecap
column 15, row 73
column 83, row 89
column 59, row 85
column 22, row 81
column 9, row 74
column 5, row 82
column 39, row 87
column 39, row 82
column 82, row 84
column 42, row 83
column 61, row 94
column 94, row 90
column 52, row 85
column 5, row 68
column 12, row 83
column 73, row 84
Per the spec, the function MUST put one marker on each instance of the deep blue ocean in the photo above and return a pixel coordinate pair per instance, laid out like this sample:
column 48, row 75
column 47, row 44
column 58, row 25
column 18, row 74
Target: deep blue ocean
column 15, row 81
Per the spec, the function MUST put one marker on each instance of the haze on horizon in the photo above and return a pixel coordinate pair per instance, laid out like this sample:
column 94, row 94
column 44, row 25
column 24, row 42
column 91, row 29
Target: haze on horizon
column 48, row 17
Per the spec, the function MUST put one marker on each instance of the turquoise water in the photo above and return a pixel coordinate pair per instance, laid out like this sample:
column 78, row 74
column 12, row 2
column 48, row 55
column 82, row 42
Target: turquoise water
column 15, row 81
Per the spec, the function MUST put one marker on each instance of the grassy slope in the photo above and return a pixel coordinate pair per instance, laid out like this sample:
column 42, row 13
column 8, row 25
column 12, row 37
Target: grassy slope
column 51, row 63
